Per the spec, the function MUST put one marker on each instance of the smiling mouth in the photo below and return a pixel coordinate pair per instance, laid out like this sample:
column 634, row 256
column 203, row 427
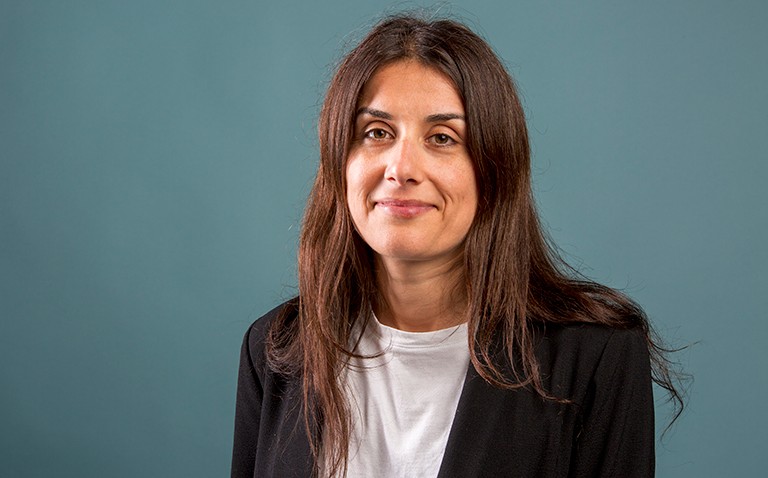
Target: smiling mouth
column 404, row 208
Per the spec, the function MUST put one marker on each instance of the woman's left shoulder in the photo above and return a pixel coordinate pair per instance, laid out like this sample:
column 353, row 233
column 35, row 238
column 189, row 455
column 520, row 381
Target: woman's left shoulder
column 587, row 351
column 592, row 339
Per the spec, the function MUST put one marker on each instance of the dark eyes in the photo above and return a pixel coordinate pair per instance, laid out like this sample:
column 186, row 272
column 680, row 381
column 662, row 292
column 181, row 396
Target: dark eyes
column 442, row 139
column 439, row 139
column 376, row 133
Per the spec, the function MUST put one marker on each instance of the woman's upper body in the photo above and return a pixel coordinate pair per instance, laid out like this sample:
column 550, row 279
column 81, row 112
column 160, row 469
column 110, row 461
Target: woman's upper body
column 422, row 216
column 606, row 430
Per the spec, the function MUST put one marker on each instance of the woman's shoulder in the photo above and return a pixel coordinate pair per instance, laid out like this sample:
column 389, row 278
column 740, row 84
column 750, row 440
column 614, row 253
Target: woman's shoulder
column 593, row 338
column 258, row 332
column 586, row 351
column 288, row 309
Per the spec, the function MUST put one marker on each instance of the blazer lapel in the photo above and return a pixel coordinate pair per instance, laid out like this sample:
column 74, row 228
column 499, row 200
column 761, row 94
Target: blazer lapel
column 474, row 420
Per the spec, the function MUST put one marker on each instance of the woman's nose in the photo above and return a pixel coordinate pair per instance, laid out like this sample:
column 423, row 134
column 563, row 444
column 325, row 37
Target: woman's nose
column 404, row 164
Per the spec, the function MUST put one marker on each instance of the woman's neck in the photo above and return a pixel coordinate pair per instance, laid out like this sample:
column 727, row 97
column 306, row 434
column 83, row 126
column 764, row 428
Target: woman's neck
column 420, row 296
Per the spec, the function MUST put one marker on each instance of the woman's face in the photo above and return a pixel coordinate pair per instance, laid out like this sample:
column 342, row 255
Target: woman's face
column 411, row 185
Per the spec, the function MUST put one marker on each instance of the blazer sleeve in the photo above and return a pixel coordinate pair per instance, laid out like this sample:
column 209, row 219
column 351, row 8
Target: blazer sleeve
column 247, row 411
column 617, row 433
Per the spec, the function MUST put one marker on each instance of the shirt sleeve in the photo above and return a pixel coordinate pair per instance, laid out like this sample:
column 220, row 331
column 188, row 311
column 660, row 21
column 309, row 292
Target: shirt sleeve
column 617, row 433
column 247, row 413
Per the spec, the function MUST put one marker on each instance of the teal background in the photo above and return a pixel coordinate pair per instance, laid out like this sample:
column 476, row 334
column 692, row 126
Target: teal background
column 155, row 157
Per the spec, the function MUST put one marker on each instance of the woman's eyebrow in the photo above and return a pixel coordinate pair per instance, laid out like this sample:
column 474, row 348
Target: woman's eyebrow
column 374, row 113
column 439, row 117
column 435, row 118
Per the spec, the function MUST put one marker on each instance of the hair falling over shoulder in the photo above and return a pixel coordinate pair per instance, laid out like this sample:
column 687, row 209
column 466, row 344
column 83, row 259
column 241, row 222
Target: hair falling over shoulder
column 515, row 279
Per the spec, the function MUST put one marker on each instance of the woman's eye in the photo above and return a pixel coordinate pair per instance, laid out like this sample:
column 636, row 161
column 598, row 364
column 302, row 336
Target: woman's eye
column 376, row 133
column 442, row 139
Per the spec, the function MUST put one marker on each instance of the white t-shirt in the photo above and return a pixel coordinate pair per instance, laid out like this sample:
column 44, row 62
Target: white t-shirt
column 403, row 401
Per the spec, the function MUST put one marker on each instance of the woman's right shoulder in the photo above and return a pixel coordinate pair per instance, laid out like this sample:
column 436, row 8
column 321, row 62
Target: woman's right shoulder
column 257, row 333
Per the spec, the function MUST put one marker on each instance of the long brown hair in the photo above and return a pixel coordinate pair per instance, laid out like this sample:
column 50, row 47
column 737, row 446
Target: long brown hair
column 515, row 280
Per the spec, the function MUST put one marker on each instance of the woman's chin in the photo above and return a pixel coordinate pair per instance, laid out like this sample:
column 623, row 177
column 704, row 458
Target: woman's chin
column 409, row 254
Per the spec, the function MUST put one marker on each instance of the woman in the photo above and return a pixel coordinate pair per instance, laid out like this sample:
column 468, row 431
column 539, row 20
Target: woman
column 436, row 332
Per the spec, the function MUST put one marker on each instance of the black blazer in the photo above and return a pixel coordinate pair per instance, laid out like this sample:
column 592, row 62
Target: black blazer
column 607, row 430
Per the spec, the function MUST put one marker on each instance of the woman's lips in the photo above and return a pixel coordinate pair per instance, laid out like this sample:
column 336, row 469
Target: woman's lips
column 403, row 208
